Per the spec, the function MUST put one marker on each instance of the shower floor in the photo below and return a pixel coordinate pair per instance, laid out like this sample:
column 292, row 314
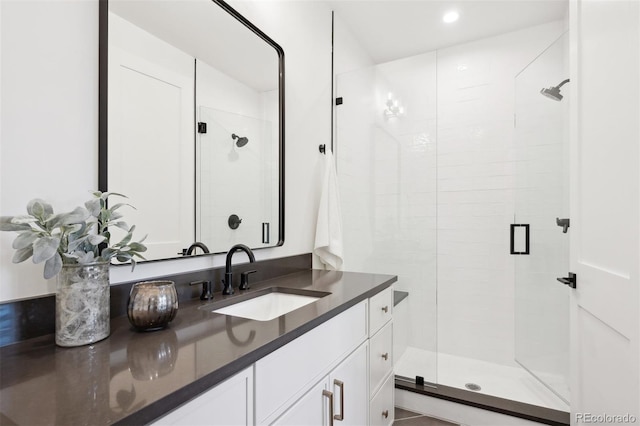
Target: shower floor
column 502, row 381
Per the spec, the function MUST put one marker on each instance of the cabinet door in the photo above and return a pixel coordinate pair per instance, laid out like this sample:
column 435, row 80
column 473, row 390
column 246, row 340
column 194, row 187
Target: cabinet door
column 348, row 382
column 229, row 404
column 310, row 410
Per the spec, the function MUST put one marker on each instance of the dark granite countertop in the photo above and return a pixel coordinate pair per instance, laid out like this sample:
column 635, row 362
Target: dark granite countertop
column 133, row 378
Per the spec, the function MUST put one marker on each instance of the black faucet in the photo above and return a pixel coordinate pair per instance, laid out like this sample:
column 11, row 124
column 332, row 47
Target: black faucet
column 192, row 248
column 227, row 283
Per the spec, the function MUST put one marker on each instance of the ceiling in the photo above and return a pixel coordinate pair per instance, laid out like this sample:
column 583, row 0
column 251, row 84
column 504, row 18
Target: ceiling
column 394, row 29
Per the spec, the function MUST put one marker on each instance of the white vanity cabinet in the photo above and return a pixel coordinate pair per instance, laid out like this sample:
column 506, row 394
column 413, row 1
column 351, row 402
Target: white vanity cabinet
column 381, row 383
column 338, row 374
column 230, row 403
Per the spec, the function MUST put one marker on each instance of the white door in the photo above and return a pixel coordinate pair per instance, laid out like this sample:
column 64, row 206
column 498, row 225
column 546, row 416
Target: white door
column 151, row 136
column 605, row 134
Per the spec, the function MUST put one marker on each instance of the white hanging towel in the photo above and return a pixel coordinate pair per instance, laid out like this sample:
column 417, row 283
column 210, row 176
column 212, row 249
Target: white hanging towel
column 328, row 244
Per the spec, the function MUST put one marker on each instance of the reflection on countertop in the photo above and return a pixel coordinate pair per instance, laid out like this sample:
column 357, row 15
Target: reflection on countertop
column 134, row 377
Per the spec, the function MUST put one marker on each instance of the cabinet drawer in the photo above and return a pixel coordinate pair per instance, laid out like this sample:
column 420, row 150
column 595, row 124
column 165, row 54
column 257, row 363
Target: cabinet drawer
column 380, row 357
column 380, row 310
column 282, row 376
column 381, row 408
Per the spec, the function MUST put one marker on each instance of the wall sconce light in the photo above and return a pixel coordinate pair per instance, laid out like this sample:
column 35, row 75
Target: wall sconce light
column 392, row 107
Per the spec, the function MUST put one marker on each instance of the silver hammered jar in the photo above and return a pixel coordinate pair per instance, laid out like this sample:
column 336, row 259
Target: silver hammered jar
column 152, row 305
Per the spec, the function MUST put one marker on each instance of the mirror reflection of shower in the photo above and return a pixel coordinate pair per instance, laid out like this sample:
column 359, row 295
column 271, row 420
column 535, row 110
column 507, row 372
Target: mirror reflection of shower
column 554, row 92
column 240, row 141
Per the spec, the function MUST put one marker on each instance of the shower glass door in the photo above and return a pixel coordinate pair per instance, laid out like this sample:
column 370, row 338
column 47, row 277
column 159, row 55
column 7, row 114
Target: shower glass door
column 386, row 161
column 542, row 201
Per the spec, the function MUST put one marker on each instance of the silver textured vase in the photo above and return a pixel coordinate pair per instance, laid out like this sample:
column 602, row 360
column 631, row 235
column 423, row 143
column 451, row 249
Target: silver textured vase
column 152, row 304
column 82, row 304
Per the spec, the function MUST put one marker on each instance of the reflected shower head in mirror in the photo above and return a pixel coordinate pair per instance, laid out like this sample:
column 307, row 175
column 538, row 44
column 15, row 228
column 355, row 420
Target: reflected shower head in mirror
column 554, row 92
column 240, row 141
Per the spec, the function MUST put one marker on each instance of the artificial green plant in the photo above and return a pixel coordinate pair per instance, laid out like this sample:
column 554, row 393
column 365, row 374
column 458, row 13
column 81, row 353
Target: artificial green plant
column 78, row 237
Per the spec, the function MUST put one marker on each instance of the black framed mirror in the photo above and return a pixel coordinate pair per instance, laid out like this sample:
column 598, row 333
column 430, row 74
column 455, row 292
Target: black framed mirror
column 192, row 124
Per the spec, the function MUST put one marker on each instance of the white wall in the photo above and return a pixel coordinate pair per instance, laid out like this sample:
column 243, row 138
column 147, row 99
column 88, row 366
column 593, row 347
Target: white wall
column 303, row 29
column 49, row 118
column 49, row 122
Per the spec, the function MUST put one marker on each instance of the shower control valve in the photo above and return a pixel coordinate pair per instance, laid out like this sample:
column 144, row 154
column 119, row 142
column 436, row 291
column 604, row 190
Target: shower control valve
column 564, row 224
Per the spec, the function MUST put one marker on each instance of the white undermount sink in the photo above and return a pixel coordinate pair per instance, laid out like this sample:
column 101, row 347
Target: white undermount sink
column 271, row 305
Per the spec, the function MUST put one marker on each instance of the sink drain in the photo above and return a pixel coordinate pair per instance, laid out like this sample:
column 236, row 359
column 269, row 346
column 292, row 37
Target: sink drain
column 473, row 387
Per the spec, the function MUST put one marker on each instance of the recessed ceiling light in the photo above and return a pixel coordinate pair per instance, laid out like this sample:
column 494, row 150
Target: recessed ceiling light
column 450, row 17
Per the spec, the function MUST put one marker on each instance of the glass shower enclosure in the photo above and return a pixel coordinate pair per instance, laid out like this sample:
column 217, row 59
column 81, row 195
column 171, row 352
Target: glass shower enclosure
column 542, row 203
column 438, row 154
column 386, row 162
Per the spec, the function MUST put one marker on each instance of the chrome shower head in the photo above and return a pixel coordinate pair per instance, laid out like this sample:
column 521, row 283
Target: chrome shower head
column 240, row 141
column 554, row 92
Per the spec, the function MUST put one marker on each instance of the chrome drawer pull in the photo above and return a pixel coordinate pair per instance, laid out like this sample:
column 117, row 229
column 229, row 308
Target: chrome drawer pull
column 385, row 356
column 340, row 384
column 385, row 309
column 329, row 396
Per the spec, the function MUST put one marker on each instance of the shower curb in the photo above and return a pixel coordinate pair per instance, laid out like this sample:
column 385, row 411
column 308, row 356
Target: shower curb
column 522, row 410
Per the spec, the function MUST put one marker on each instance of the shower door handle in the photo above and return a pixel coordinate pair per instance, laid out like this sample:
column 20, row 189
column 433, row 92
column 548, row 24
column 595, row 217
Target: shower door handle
column 571, row 280
column 513, row 237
